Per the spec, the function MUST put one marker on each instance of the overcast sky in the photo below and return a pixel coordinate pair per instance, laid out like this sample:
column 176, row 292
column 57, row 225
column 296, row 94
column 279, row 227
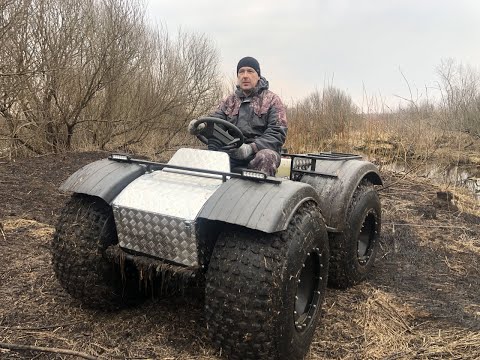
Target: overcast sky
column 302, row 45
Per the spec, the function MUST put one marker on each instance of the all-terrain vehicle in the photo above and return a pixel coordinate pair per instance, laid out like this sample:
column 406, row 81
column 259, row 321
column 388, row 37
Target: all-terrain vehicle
column 265, row 246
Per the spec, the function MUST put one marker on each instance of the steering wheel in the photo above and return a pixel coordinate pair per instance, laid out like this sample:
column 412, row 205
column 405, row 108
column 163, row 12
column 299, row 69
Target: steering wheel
column 213, row 133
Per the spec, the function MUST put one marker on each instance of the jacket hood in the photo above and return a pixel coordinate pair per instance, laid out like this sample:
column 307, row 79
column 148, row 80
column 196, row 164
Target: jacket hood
column 261, row 86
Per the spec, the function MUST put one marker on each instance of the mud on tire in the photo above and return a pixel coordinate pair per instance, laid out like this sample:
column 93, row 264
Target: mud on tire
column 84, row 230
column 264, row 291
column 353, row 252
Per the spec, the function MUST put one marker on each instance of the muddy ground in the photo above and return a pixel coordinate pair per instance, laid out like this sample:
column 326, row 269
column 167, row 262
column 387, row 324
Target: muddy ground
column 422, row 301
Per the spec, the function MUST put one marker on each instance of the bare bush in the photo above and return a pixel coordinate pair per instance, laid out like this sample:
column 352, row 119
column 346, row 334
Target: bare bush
column 177, row 82
column 92, row 73
column 12, row 12
column 14, row 66
column 61, row 55
column 320, row 117
column 460, row 97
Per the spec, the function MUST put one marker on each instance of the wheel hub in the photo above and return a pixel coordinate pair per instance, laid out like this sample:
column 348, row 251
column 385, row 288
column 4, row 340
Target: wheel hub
column 308, row 290
column 366, row 238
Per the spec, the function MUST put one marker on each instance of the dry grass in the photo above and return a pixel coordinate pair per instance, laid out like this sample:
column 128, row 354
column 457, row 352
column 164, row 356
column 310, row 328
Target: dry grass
column 29, row 227
column 380, row 325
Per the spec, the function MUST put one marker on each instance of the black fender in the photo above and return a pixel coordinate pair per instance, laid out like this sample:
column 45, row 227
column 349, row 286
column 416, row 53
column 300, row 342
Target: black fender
column 261, row 206
column 103, row 178
column 335, row 185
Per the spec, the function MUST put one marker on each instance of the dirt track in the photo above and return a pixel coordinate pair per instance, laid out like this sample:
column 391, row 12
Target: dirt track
column 423, row 300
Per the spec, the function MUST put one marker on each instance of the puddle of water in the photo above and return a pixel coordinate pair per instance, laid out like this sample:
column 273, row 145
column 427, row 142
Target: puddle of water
column 450, row 175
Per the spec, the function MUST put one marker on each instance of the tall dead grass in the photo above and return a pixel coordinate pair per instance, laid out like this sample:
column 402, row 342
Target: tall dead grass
column 389, row 331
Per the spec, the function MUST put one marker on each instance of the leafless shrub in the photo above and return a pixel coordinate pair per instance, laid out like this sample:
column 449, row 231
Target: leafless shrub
column 177, row 83
column 321, row 117
column 92, row 73
column 460, row 97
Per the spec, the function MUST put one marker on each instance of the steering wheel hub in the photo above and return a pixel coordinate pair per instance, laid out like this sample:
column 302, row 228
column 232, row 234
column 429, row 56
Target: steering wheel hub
column 215, row 134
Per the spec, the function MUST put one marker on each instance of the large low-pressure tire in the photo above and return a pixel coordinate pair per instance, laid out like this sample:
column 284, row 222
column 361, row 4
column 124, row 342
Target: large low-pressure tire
column 264, row 292
column 353, row 252
column 84, row 231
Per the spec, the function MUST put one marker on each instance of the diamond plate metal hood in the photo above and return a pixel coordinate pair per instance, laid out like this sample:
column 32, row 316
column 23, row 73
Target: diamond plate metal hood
column 156, row 213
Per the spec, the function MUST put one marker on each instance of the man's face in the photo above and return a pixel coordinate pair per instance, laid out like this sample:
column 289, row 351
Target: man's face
column 247, row 78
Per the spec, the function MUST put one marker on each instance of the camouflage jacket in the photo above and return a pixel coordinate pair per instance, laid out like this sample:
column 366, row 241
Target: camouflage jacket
column 261, row 116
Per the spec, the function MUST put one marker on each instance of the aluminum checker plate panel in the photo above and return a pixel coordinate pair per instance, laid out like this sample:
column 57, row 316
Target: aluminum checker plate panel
column 155, row 214
column 157, row 235
column 167, row 193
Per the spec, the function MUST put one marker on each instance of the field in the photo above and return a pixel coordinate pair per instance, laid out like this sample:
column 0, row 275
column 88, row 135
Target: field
column 422, row 301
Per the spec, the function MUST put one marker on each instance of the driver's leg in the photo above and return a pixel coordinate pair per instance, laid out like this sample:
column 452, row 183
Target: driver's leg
column 265, row 160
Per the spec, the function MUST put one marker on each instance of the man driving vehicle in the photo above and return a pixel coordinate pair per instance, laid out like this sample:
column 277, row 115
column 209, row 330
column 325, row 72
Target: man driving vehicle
column 259, row 114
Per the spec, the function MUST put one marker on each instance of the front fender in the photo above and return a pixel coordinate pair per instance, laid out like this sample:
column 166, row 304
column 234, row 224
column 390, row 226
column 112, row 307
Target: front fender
column 260, row 206
column 103, row 178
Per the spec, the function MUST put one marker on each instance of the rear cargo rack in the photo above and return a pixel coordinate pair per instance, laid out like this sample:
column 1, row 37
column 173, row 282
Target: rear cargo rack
column 307, row 163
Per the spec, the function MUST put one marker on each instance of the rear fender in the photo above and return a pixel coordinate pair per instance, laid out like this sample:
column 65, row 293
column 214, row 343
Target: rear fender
column 260, row 206
column 336, row 191
column 103, row 178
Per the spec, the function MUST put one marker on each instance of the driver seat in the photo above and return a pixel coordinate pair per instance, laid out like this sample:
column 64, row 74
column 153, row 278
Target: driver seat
column 201, row 159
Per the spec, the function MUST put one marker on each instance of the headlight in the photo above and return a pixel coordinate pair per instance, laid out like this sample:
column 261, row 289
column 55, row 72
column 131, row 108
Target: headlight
column 119, row 157
column 254, row 174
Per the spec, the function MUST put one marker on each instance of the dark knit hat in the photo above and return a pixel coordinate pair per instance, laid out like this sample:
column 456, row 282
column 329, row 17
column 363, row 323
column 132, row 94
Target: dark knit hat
column 250, row 62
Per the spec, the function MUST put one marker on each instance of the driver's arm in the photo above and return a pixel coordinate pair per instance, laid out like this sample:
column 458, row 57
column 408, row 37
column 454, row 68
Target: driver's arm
column 276, row 132
column 220, row 112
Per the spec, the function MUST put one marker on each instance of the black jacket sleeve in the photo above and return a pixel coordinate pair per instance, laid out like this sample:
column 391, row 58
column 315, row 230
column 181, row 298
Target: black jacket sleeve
column 276, row 132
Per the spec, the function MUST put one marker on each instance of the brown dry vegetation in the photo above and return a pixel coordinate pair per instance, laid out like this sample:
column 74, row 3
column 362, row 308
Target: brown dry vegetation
column 422, row 301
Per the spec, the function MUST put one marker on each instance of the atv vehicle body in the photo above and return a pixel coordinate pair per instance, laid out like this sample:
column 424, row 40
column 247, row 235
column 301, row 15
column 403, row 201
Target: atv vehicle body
column 264, row 244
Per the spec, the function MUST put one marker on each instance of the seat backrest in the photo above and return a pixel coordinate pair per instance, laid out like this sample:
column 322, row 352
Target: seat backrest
column 201, row 159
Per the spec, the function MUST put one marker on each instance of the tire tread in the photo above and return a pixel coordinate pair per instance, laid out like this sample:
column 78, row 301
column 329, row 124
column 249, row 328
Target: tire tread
column 85, row 229
column 242, row 292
